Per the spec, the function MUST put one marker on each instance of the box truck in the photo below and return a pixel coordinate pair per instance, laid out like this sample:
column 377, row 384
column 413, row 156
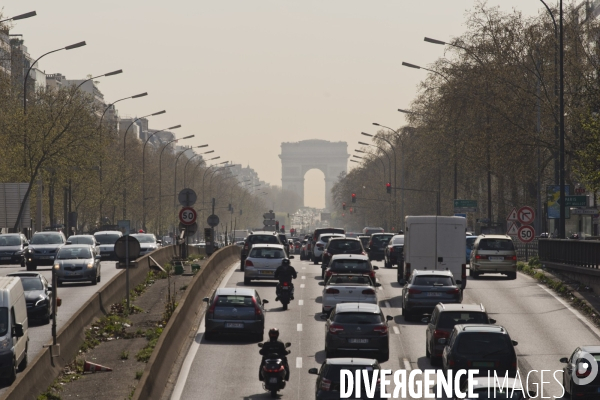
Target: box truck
column 434, row 243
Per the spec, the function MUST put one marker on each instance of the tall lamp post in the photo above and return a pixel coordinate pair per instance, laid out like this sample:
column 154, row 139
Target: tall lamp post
column 136, row 96
column 188, row 161
column 175, row 178
column 20, row 16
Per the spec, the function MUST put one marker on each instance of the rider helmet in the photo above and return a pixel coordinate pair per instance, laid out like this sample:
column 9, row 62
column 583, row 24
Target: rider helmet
column 273, row 333
column 285, row 262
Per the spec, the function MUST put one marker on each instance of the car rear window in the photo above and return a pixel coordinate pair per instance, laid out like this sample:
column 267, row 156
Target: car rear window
column 483, row 343
column 398, row 240
column 349, row 279
column 496, row 244
column 357, row 318
column 266, row 253
column 381, row 239
column 31, row 283
column 267, row 239
column 433, row 280
column 107, row 239
column 235, row 301
column 344, row 245
column 81, row 240
column 350, row 265
column 450, row 318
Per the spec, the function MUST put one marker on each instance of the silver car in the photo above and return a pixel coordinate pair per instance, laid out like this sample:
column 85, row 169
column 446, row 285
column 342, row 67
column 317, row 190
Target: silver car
column 77, row 263
column 147, row 242
column 262, row 262
column 348, row 288
column 85, row 239
column 107, row 241
column 321, row 244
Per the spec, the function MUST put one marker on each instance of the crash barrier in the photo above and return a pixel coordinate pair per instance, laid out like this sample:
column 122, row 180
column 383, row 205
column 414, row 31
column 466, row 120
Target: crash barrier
column 526, row 250
column 42, row 370
column 169, row 345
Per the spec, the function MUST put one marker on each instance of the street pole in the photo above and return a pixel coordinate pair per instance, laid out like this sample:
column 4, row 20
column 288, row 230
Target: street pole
column 561, row 225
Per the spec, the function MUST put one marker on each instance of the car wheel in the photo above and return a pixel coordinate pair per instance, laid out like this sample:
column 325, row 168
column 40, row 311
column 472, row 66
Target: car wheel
column 46, row 319
column 95, row 280
column 23, row 263
column 385, row 356
column 315, row 261
column 59, row 283
column 12, row 374
column 435, row 361
column 31, row 267
column 474, row 274
column 24, row 361
column 99, row 278
column 512, row 276
column 247, row 281
column 209, row 336
column 322, row 274
column 242, row 265
column 427, row 353
column 386, row 264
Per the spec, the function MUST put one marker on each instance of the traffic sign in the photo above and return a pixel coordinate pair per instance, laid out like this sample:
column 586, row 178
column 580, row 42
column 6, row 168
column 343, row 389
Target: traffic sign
column 512, row 229
column 575, row 201
column 526, row 233
column 269, row 215
column 189, row 229
column 187, row 216
column 526, row 215
column 187, row 197
column 465, row 203
column 132, row 243
column 212, row 220
column 269, row 222
column 584, row 211
column 512, row 216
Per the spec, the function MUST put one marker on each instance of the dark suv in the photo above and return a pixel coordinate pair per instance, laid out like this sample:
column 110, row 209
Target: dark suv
column 328, row 376
column 426, row 288
column 256, row 238
column 42, row 249
column 12, row 248
column 343, row 245
column 443, row 319
column 487, row 348
column 377, row 245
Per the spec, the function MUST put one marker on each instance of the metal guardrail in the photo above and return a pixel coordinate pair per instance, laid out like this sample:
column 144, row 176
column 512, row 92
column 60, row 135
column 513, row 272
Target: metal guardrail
column 581, row 253
column 526, row 250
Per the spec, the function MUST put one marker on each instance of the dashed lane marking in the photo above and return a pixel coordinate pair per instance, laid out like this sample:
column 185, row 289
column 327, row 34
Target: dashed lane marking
column 298, row 362
column 303, row 276
column 396, row 330
column 303, row 267
column 299, row 327
column 388, row 305
column 300, row 302
column 302, row 286
column 407, row 365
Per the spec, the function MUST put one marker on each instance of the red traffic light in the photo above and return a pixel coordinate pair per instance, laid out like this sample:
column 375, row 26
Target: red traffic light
column 353, row 198
column 343, row 206
column 388, row 187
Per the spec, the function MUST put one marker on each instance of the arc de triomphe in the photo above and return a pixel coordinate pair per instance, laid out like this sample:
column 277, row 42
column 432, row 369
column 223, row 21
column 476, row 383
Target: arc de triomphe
column 300, row 157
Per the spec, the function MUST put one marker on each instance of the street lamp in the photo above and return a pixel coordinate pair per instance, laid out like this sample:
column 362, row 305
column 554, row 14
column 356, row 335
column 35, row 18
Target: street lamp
column 409, row 65
column 395, row 167
column 175, row 180
column 124, row 98
column 20, row 16
column 190, row 159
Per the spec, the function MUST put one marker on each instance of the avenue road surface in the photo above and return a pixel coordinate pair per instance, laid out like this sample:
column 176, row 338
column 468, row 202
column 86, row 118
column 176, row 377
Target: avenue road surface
column 545, row 327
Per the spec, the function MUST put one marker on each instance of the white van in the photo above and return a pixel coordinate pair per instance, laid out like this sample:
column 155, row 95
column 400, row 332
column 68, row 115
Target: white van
column 14, row 339
column 435, row 243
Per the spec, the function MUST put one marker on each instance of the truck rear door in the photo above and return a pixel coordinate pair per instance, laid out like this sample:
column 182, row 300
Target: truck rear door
column 451, row 242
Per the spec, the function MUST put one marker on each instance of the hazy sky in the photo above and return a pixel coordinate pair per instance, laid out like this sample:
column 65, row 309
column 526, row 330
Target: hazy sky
column 246, row 75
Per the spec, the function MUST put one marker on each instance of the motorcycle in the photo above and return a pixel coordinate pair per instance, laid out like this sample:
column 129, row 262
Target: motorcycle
column 273, row 372
column 285, row 294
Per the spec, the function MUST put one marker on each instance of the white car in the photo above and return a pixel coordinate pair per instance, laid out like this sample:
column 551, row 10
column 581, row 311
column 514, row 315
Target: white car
column 348, row 288
column 107, row 240
column 321, row 244
column 147, row 242
column 262, row 262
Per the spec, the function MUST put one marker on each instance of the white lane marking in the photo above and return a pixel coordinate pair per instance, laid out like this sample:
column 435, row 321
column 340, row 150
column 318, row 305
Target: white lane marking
column 298, row 362
column 574, row 311
column 191, row 355
column 302, row 286
column 380, row 288
column 407, row 365
column 303, row 276
column 388, row 305
column 299, row 327
column 396, row 330
column 303, row 267
column 300, row 302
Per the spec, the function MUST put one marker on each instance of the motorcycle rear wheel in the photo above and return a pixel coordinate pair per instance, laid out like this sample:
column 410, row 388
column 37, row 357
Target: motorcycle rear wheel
column 274, row 393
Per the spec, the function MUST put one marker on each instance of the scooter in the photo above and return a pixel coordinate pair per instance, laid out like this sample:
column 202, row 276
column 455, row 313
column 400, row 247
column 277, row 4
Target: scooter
column 273, row 372
column 285, row 294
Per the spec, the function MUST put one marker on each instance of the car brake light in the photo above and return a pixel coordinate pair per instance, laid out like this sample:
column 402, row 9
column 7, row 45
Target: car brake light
column 414, row 291
column 368, row 291
column 391, row 249
column 249, row 263
column 478, row 257
column 453, row 291
column 514, row 258
column 438, row 334
column 320, row 246
column 332, row 291
column 246, row 246
column 211, row 309
column 328, row 273
column 326, row 254
column 381, row 329
column 257, row 310
column 372, row 274
column 285, row 284
column 325, row 384
column 274, row 370
column 334, row 329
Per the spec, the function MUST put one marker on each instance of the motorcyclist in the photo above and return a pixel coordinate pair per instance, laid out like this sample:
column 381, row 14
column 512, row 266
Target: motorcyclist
column 274, row 346
column 285, row 273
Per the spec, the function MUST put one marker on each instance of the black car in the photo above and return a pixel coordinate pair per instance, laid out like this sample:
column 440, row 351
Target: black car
column 38, row 295
column 443, row 319
column 487, row 348
column 42, row 248
column 394, row 252
column 377, row 245
column 12, row 248
column 365, row 241
column 284, row 241
column 353, row 264
column 341, row 245
column 579, row 363
column 256, row 238
column 425, row 289
column 328, row 376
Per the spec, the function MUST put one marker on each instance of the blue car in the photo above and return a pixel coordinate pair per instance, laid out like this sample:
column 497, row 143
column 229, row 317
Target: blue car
column 470, row 241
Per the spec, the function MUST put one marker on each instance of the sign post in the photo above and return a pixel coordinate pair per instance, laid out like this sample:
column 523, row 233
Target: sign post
column 125, row 227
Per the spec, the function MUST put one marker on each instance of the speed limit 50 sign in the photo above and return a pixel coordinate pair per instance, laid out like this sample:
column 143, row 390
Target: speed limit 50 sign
column 526, row 233
column 187, row 216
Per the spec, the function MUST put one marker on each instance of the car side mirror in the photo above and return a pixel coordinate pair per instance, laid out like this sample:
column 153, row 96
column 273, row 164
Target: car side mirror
column 321, row 283
column 288, row 344
column 49, row 288
column 265, row 301
column 442, row 341
column 98, row 257
column 324, row 317
column 291, row 257
column 514, row 342
column 492, row 321
column 206, row 299
column 260, row 345
column 375, row 267
column 458, row 282
column 377, row 284
column 18, row 330
column 389, row 318
column 564, row 360
column 313, row 371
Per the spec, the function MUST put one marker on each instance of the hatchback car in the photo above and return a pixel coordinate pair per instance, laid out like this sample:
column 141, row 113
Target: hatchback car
column 581, row 366
column 321, row 245
column 236, row 311
column 262, row 262
column 42, row 249
column 257, row 238
column 342, row 246
column 358, row 328
column 487, row 348
column 328, row 376
column 77, row 263
column 493, row 254
column 107, row 240
column 443, row 319
column 377, row 245
column 394, row 252
column 147, row 242
column 425, row 289
column 348, row 263
column 348, row 288
column 85, row 239
column 38, row 295
column 12, row 248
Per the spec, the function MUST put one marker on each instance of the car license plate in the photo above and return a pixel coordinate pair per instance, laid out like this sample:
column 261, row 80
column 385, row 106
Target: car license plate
column 273, row 380
column 266, row 272
column 434, row 294
column 493, row 258
column 5, row 258
column 285, row 288
column 72, row 273
column 358, row 341
column 234, row 325
column 45, row 257
column 485, row 364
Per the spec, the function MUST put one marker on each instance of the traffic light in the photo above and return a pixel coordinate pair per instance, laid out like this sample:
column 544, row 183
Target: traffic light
column 343, row 214
column 353, row 198
column 388, row 187
column 351, row 210
column 282, row 228
column 343, row 206
column 229, row 208
column 276, row 225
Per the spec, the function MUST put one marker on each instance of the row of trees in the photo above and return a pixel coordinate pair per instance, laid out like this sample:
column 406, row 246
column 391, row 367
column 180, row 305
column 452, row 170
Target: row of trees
column 483, row 125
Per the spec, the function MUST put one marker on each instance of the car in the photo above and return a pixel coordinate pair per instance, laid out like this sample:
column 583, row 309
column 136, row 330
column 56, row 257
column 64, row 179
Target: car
column 284, row 241
column 84, row 239
column 262, row 262
column 369, row 230
column 443, row 319
column 493, row 254
column 485, row 347
column 38, row 295
column 488, row 387
column 470, row 241
column 365, row 241
column 77, row 263
column 253, row 238
column 42, row 249
column 12, row 248
column 297, row 246
column 327, row 386
column 348, row 288
column 342, row 246
column 394, row 252
column 315, row 236
column 303, row 250
column 357, row 328
column 425, row 289
column 147, row 241
column 107, row 240
column 321, row 244
column 235, row 311
column 377, row 245
column 348, row 263
column 575, row 365
column 239, row 243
